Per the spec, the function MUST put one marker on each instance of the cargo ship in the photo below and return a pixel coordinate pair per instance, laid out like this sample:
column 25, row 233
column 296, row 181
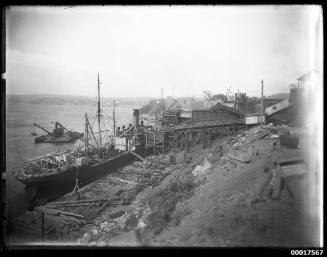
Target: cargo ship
column 85, row 165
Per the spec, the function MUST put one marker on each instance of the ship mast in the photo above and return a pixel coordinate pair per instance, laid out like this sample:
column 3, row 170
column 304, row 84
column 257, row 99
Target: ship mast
column 86, row 136
column 99, row 114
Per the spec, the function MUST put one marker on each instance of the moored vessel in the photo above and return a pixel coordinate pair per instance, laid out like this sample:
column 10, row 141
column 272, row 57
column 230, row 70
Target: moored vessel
column 96, row 159
column 60, row 134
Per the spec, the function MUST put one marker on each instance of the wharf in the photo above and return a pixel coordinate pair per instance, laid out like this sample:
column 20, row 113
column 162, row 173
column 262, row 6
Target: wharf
column 188, row 135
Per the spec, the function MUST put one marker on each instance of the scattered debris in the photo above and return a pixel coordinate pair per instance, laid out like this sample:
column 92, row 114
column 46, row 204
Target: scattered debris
column 138, row 156
column 57, row 212
column 201, row 169
column 123, row 180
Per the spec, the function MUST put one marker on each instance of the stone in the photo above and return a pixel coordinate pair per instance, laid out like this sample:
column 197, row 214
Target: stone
column 97, row 222
column 103, row 225
column 116, row 214
column 94, row 231
column 86, row 238
column 131, row 222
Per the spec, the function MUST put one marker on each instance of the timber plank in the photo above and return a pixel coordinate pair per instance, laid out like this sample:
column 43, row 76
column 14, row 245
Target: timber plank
column 56, row 212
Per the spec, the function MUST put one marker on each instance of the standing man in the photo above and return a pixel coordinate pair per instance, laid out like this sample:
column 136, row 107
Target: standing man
column 118, row 132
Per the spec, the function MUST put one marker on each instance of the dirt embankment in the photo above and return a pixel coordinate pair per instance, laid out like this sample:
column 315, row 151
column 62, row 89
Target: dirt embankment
column 207, row 200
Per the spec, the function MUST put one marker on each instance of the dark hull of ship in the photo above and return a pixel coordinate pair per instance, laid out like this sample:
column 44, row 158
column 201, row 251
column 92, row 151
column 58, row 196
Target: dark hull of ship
column 58, row 140
column 86, row 174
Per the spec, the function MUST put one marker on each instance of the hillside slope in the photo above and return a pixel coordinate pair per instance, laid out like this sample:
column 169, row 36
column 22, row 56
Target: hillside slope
column 221, row 212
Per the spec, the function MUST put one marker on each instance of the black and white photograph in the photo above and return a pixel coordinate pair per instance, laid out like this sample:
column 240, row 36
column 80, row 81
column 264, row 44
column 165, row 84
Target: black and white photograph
column 163, row 126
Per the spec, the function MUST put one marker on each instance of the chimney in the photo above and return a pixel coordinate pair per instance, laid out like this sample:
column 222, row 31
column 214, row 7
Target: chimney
column 136, row 118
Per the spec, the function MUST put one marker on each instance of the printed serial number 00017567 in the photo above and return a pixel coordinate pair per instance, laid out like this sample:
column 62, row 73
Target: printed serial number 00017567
column 307, row 252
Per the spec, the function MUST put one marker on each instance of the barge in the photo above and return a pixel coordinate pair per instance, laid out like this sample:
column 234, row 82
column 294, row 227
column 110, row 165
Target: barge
column 59, row 135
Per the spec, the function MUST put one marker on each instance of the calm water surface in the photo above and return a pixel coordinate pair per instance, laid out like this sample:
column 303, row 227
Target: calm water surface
column 20, row 143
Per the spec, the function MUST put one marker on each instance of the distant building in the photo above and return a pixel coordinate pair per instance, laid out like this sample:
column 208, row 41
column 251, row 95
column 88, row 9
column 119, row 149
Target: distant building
column 271, row 101
column 293, row 111
column 239, row 106
column 240, row 102
column 227, row 114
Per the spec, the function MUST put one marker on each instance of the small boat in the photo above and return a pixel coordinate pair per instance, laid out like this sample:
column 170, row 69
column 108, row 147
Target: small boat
column 59, row 135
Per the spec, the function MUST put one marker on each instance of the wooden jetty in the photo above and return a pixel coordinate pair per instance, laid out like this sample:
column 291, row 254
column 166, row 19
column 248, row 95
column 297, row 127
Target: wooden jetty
column 186, row 135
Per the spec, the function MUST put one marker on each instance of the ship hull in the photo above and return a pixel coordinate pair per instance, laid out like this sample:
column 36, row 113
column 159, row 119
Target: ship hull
column 86, row 174
column 51, row 139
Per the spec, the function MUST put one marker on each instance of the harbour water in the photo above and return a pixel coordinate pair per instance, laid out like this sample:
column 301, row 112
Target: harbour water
column 20, row 144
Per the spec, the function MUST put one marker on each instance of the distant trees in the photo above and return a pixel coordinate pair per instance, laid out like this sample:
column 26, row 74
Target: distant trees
column 221, row 97
column 152, row 107
column 209, row 97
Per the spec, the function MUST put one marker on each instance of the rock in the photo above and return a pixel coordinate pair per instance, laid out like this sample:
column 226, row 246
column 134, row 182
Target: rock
column 202, row 169
column 121, row 220
column 116, row 214
column 86, row 238
column 141, row 225
column 94, row 232
column 131, row 222
column 97, row 222
column 237, row 145
column 103, row 225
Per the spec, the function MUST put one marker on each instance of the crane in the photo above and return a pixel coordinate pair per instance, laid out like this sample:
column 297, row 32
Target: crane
column 62, row 126
column 42, row 128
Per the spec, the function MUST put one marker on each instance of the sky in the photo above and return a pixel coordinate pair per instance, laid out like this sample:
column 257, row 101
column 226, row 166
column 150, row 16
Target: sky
column 138, row 50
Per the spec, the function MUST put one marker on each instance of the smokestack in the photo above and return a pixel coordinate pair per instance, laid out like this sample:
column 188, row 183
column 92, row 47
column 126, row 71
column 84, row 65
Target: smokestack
column 136, row 118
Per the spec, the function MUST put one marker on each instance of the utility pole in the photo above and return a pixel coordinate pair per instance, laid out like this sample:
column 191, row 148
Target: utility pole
column 86, row 136
column 162, row 102
column 99, row 114
column 173, row 101
column 262, row 107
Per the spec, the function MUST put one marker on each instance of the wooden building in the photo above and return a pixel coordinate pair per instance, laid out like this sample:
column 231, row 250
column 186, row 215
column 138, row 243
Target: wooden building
column 226, row 114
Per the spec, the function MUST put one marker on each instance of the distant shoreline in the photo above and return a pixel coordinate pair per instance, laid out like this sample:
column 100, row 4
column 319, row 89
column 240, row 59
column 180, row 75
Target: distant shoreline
column 75, row 100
